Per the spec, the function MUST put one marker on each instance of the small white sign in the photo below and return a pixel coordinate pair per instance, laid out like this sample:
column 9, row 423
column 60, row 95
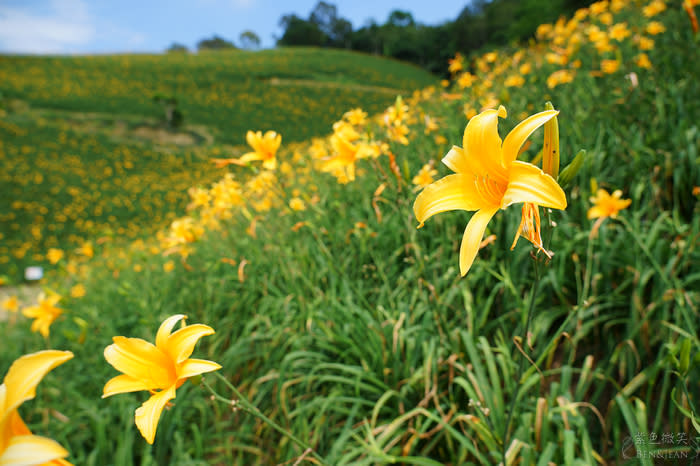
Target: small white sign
column 34, row 272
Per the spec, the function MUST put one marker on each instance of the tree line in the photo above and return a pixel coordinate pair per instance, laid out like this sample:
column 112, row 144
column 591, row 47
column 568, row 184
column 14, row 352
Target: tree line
column 480, row 23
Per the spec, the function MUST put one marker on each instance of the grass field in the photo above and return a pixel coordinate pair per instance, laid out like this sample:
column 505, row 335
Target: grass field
column 346, row 335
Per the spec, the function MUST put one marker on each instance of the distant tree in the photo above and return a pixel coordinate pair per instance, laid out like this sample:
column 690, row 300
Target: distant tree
column 298, row 31
column 215, row 43
column 324, row 15
column 177, row 47
column 400, row 18
column 249, row 40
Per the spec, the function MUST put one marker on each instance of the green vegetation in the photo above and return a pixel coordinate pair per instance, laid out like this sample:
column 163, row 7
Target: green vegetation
column 352, row 329
column 87, row 149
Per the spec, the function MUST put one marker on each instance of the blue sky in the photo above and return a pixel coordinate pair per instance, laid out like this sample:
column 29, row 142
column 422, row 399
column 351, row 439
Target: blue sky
column 102, row 26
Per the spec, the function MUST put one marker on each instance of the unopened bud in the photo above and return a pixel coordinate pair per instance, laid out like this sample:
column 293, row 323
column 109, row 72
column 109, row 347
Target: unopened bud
column 550, row 150
column 570, row 171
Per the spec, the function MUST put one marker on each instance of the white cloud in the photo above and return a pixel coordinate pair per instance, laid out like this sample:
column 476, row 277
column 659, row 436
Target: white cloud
column 58, row 26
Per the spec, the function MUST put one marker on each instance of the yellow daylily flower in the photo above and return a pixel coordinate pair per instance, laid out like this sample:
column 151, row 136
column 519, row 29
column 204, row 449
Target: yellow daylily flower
column 44, row 313
column 159, row 368
column 488, row 178
column 17, row 444
column 265, row 148
column 605, row 205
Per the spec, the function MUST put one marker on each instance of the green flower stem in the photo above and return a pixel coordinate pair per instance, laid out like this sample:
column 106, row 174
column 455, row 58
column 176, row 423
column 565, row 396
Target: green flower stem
column 247, row 406
column 530, row 312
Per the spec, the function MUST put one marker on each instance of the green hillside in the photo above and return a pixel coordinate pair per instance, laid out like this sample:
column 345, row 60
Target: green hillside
column 501, row 269
column 87, row 154
column 296, row 91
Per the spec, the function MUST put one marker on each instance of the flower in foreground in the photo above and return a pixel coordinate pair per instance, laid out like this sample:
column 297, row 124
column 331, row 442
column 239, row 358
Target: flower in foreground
column 265, row 148
column 44, row 313
column 488, row 178
column 159, row 368
column 17, row 444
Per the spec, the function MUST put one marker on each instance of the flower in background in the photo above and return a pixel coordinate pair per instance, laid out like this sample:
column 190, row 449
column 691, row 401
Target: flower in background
column 265, row 148
column 488, row 178
column 456, row 64
column 605, row 205
column 655, row 27
column 44, row 313
column 425, row 176
column 86, row 249
column 54, row 255
column 11, row 304
column 159, row 369
column 559, row 77
column 356, row 117
column 514, row 81
column 78, row 291
column 609, row 66
column 17, row 444
column 654, row 8
column 642, row 61
column 297, row 204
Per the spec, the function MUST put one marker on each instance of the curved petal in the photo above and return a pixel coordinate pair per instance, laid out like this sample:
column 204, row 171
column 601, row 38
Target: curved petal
column 26, row 373
column 453, row 192
column 181, row 343
column 482, row 145
column 141, row 360
column 27, row 450
column 166, row 329
column 123, row 384
column 516, row 138
column 148, row 414
column 473, row 235
column 193, row 367
column 253, row 138
column 530, row 184
column 455, row 160
column 17, row 425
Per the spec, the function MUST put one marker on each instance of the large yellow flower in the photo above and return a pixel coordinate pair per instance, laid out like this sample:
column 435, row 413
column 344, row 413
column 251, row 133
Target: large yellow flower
column 17, row 444
column 488, row 178
column 159, row 368
column 265, row 148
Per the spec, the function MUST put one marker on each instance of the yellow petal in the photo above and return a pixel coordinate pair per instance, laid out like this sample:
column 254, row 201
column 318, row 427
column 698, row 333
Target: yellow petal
column 455, row 160
column 595, row 212
column 27, row 450
column 249, row 157
column 270, row 164
column 166, row 329
column 148, row 414
column 453, row 192
column 482, row 145
column 181, row 343
column 141, row 360
column 123, row 384
column 530, row 184
column 26, row 373
column 472, row 238
column 193, row 367
column 517, row 137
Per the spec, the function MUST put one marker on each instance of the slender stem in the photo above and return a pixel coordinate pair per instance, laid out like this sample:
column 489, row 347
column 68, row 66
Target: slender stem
column 530, row 311
column 252, row 409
